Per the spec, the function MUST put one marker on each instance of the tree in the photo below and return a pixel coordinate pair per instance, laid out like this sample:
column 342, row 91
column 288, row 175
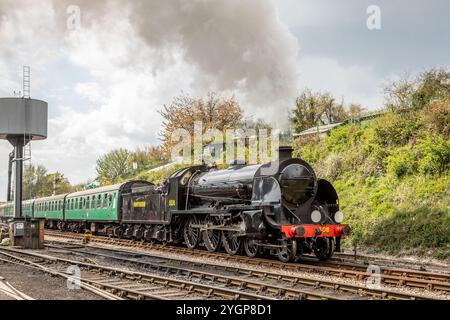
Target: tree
column 147, row 158
column 213, row 111
column 433, row 84
column 113, row 166
column 37, row 183
column 313, row 109
column 355, row 110
column 399, row 93
column 417, row 92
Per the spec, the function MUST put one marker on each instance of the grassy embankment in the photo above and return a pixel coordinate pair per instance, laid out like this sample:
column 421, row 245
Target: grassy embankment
column 392, row 175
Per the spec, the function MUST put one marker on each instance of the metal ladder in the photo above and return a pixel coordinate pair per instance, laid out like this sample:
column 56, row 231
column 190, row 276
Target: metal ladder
column 26, row 82
column 27, row 137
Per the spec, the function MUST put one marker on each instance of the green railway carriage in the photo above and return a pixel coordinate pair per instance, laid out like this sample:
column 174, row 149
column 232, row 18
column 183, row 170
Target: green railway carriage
column 2, row 211
column 28, row 208
column 7, row 211
column 100, row 204
column 50, row 208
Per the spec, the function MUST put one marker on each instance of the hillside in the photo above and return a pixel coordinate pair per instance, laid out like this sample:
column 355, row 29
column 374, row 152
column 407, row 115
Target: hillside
column 392, row 176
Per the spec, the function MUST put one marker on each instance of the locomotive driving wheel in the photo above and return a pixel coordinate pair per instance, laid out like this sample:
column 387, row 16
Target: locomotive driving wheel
column 191, row 234
column 323, row 248
column 211, row 237
column 251, row 248
column 288, row 250
column 231, row 242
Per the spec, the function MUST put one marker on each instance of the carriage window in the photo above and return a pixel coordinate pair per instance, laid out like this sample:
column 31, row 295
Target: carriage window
column 109, row 200
column 105, row 199
column 114, row 201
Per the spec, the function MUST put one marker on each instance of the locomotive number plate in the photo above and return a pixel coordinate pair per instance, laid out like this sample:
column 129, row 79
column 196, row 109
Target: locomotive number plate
column 139, row 204
column 325, row 229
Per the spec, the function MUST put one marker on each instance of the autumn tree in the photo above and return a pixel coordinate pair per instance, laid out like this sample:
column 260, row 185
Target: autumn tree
column 213, row 111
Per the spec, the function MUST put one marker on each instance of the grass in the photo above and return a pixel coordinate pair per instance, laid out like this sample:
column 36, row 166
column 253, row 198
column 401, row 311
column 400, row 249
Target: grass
column 392, row 177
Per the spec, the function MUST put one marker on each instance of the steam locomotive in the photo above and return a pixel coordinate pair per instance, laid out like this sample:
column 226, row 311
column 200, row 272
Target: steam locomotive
column 278, row 208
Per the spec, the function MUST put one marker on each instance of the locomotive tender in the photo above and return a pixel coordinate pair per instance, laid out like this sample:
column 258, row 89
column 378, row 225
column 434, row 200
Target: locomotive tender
column 280, row 208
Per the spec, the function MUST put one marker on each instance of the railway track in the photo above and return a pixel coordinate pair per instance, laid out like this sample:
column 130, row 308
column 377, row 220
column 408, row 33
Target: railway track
column 118, row 284
column 347, row 257
column 280, row 281
column 390, row 276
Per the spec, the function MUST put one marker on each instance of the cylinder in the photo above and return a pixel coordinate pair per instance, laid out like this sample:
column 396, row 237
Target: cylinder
column 23, row 117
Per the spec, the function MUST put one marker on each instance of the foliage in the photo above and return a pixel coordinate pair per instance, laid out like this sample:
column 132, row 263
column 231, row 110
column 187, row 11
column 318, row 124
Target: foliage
column 113, row 166
column 420, row 91
column 392, row 173
column 37, row 182
column 313, row 109
column 214, row 111
column 121, row 164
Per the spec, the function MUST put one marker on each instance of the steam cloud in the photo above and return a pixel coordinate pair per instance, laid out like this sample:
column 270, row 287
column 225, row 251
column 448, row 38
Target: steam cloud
column 238, row 47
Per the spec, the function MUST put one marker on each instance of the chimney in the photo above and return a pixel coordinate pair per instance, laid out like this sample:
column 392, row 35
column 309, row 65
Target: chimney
column 285, row 153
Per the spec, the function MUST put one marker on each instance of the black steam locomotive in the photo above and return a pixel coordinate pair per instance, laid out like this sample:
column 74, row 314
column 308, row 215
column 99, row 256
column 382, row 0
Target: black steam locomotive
column 280, row 208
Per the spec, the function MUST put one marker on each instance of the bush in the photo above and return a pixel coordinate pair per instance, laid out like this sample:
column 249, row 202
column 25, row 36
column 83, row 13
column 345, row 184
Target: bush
column 437, row 117
column 396, row 129
column 402, row 162
column 434, row 155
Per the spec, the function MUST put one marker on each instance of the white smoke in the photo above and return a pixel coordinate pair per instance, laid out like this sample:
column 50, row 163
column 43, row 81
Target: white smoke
column 237, row 46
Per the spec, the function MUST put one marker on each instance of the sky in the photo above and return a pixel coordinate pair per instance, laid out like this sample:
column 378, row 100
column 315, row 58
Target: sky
column 106, row 67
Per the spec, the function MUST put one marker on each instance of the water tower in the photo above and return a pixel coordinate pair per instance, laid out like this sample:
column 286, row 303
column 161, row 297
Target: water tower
column 21, row 121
